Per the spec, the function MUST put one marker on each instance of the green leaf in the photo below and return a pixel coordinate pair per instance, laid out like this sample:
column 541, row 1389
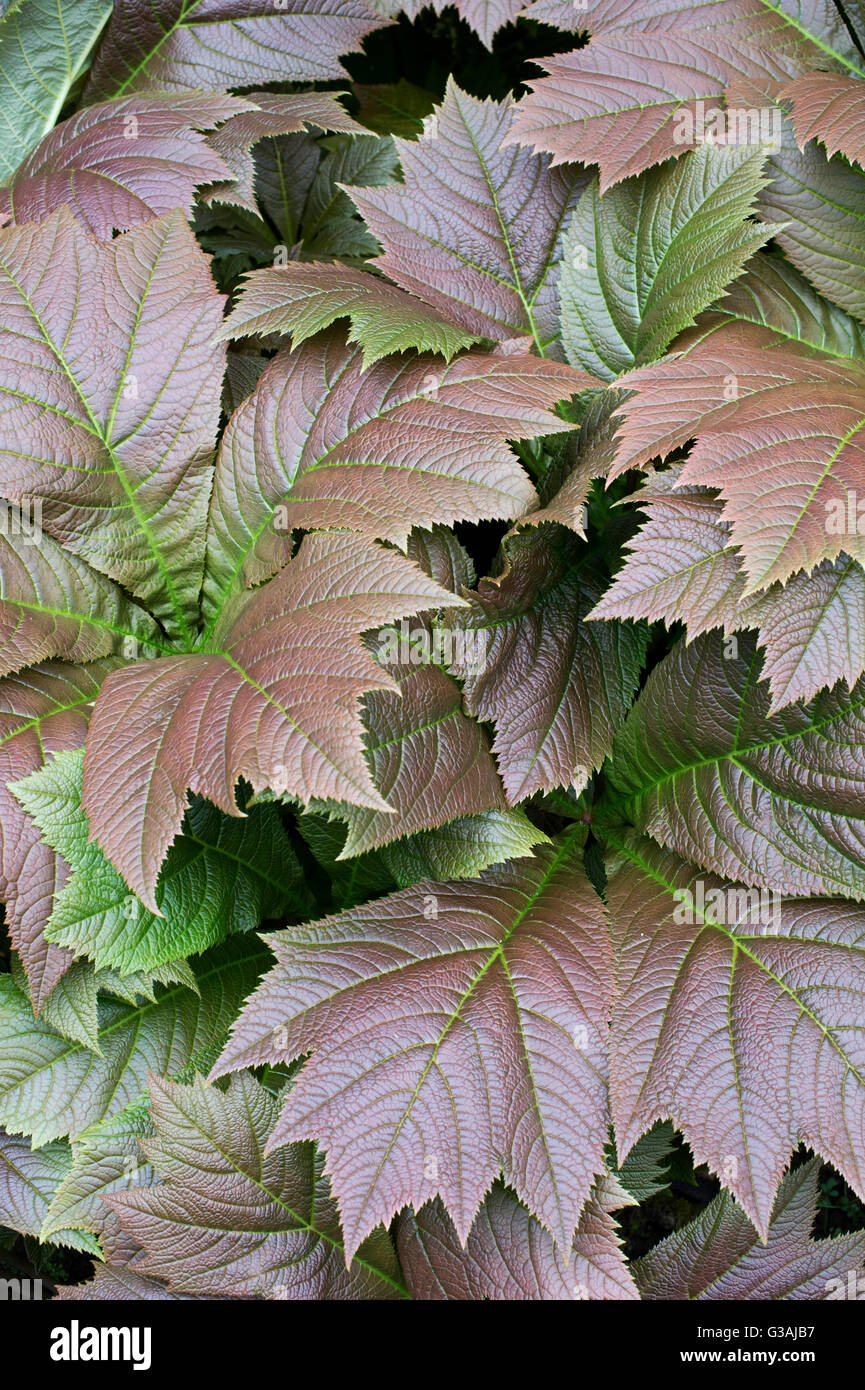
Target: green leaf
column 221, row 876
column 644, row 259
column 106, row 1158
column 44, row 47
column 50, row 1087
column 28, row 1182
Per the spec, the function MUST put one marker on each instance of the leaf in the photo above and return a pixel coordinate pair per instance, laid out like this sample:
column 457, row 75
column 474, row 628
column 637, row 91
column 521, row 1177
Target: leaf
column 28, row 1181
column 773, row 293
column 302, row 299
column 555, row 687
column 409, row 442
column 718, row 1256
column 640, row 262
column 273, row 698
column 816, row 208
column 51, row 1087
column 644, row 1173
column 445, row 1047
column 398, row 108
column 682, row 568
column 72, row 1007
column 632, row 97
column 298, row 185
column 428, row 760
column 474, row 230
column 830, row 107
column 105, row 1159
column 221, row 876
column 275, row 114
column 774, row 801
column 118, row 1284
column 174, row 44
column 54, row 605
column 463, row 847
column 739, row 1018
column 486, row 17
column 509, row 1255
column 42, row 711
column 228, row 1220
column 587, row 454
column 779, row 434
column 44, row 47
column 699, row 386
column 122, row 163
column 123, row 485
column 826, row 26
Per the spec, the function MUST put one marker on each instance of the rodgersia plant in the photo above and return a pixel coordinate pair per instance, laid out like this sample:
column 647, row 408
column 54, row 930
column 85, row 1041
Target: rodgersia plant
column 432, row 628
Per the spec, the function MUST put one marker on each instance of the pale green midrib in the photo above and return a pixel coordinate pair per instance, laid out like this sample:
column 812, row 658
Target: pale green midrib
column 271, row 700
column 136, row 1013
column 90, row 620
column 302, row 1222
column 495, row 955
column 738, row 944
column 528, row 305
column 225, row 591
column 102, row 435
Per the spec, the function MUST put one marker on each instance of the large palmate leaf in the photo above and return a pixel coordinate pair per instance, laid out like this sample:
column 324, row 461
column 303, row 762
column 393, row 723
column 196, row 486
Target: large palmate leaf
column 719, row 1256
column 50, row 1086
column 409, row 442
column 817, row 207
column 93, row 337
column 509, row 1255
column 221, row 876
column 652, row 78
column 555, row 686
column 474, row 230
column 682, row 568
column 455, row 1029
column 42, row 711
column 739, row 1017
column 302, row 299
column 774, row 800
column 231, row 1220
column 640, row 262
column 44, row 47
column 225, row 43
column 779, row 434
column 123, row 162
column 272, row 697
